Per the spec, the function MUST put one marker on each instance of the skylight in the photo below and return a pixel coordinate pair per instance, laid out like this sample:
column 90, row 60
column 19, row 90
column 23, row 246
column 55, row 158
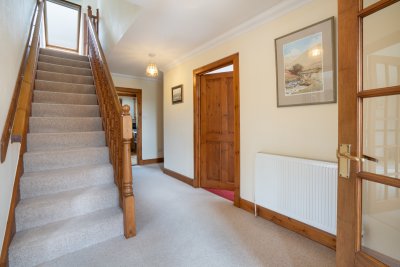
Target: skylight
column 62, row 21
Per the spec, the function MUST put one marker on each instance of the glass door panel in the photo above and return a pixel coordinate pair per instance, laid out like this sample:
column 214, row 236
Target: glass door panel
column 381, row 222
column 367, row 3
column 381, row 48
column 381, row 138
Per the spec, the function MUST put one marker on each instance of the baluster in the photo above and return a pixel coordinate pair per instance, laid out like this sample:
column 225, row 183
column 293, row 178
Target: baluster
column 117, row 124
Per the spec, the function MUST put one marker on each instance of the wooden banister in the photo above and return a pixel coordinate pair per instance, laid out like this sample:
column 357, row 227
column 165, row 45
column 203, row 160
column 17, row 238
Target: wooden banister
column 117, row 124
column 23, row 110
column 7, row 129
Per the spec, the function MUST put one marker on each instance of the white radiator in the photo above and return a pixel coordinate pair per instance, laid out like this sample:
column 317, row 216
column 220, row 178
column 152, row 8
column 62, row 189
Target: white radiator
column 302, row 189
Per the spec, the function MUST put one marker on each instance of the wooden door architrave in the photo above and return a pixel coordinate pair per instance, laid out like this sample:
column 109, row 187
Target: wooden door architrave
column 197, row 74
column 121, row 91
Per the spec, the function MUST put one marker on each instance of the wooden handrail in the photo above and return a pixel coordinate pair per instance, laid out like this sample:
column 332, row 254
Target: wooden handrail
column 20, row 126
column 117, row 124
column 7, row 129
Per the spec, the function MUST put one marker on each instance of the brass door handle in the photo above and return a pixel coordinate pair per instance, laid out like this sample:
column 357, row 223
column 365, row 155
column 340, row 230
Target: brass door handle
column 348, row 156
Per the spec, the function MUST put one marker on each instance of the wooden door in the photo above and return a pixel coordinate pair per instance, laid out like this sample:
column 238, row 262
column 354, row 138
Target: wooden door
column 217, row 153
column 369, row 127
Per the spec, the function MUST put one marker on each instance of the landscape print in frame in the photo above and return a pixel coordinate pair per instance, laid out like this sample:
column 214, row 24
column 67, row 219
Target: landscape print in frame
column 305, row 66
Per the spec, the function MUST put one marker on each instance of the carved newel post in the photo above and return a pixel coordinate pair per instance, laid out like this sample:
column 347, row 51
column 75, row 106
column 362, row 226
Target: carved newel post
column 128, row 200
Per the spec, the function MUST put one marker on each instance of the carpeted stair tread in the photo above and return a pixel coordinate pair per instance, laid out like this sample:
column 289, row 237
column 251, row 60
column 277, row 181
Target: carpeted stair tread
column 56, row 53
column 59, row 159
column 61, row 77
column 64, row 61
column 64, row 124
column 38, row 245
column 62, row 87
column 68, row 197
column 39, row 183
column 41, row 210
column 64, row 110
column 64, row 98
column 59, row 141
column 64, row 69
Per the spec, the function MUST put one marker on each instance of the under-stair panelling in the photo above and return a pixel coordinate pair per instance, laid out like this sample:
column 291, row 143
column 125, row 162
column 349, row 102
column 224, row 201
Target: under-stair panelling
column 64, row 98
column 64, row 61
column 60, row 77
column 37, row 245
column 61, row 87
column 64, row 110
column 41, row 183
column 69, row 200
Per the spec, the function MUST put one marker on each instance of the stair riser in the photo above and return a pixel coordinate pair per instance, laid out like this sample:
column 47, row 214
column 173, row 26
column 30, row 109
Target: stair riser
column 59, row 87
column 62, row 98
column 59, row 77
column 63, row 61
column 63, row 69
column 63, row 125
column 33, row 186
column 53, row 110
column 77, row 205
column 64, row 242
column 64, row 159
column 50, row 142
column 60, row 54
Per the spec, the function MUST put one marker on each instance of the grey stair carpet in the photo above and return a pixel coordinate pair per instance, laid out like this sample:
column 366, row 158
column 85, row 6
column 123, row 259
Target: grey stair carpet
column 68, row 197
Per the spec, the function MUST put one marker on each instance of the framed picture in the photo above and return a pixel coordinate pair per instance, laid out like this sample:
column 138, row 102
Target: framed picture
column 177, row 94
column 305, row 65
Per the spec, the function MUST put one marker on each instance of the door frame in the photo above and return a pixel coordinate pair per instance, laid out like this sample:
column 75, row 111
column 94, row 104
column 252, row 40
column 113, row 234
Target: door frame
column 197, row 73
column 350, row 131
column 131, row 92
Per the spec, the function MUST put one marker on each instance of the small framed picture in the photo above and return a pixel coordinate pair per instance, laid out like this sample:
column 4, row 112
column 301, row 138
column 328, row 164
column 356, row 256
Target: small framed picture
column 306, row 66
column 177, row 94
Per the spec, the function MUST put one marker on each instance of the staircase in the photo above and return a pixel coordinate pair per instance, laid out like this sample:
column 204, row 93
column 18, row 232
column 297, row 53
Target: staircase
column 68, row 197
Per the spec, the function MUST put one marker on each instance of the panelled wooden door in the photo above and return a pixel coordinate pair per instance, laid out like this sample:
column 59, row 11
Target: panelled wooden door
column 369, row 121
column 217, row 154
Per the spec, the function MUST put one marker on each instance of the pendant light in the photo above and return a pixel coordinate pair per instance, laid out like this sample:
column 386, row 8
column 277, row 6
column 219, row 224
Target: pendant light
column 152, row 70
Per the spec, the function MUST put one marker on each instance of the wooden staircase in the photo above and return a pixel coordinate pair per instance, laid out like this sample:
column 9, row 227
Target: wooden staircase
column 75, row 187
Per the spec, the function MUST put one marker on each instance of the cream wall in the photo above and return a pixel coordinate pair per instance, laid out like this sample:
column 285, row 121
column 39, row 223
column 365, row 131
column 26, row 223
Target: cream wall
column 306, row 131
column 152, row 112
column 15, row 19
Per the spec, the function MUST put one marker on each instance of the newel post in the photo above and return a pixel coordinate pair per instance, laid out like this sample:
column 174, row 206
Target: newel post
column 128, row 200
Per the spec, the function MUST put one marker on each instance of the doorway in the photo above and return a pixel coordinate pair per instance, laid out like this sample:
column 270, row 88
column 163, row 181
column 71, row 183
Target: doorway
column 217, row 127
column 369, row 134
column 133, row 98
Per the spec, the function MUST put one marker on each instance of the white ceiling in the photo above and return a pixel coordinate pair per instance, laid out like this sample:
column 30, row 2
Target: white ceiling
column 172, row 29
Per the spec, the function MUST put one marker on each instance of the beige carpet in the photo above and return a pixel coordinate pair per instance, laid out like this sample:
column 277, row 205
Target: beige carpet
column 182, row 226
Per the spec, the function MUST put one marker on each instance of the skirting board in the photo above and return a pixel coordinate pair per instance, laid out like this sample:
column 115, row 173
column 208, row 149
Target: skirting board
column 306, row 230
column 150, row 161
column 11, row 227
column 178, row 176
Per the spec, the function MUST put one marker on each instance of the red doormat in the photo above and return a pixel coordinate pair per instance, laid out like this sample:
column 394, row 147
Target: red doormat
column 229, row 195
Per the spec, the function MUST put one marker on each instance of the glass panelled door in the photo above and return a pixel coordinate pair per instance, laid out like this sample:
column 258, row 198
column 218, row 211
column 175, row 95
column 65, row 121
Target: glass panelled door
column 369, row 125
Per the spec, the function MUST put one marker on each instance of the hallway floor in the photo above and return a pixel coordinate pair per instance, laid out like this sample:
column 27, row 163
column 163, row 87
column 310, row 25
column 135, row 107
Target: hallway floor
column 178, row 225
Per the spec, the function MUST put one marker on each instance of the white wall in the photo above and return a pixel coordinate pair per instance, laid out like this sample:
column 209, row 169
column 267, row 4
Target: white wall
column 152, row 112
column 306, row 131
column 115, row 19
column 15, row 19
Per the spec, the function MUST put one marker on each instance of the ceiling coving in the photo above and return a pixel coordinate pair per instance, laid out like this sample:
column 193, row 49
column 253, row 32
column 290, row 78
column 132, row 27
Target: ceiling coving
column 172, row 29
